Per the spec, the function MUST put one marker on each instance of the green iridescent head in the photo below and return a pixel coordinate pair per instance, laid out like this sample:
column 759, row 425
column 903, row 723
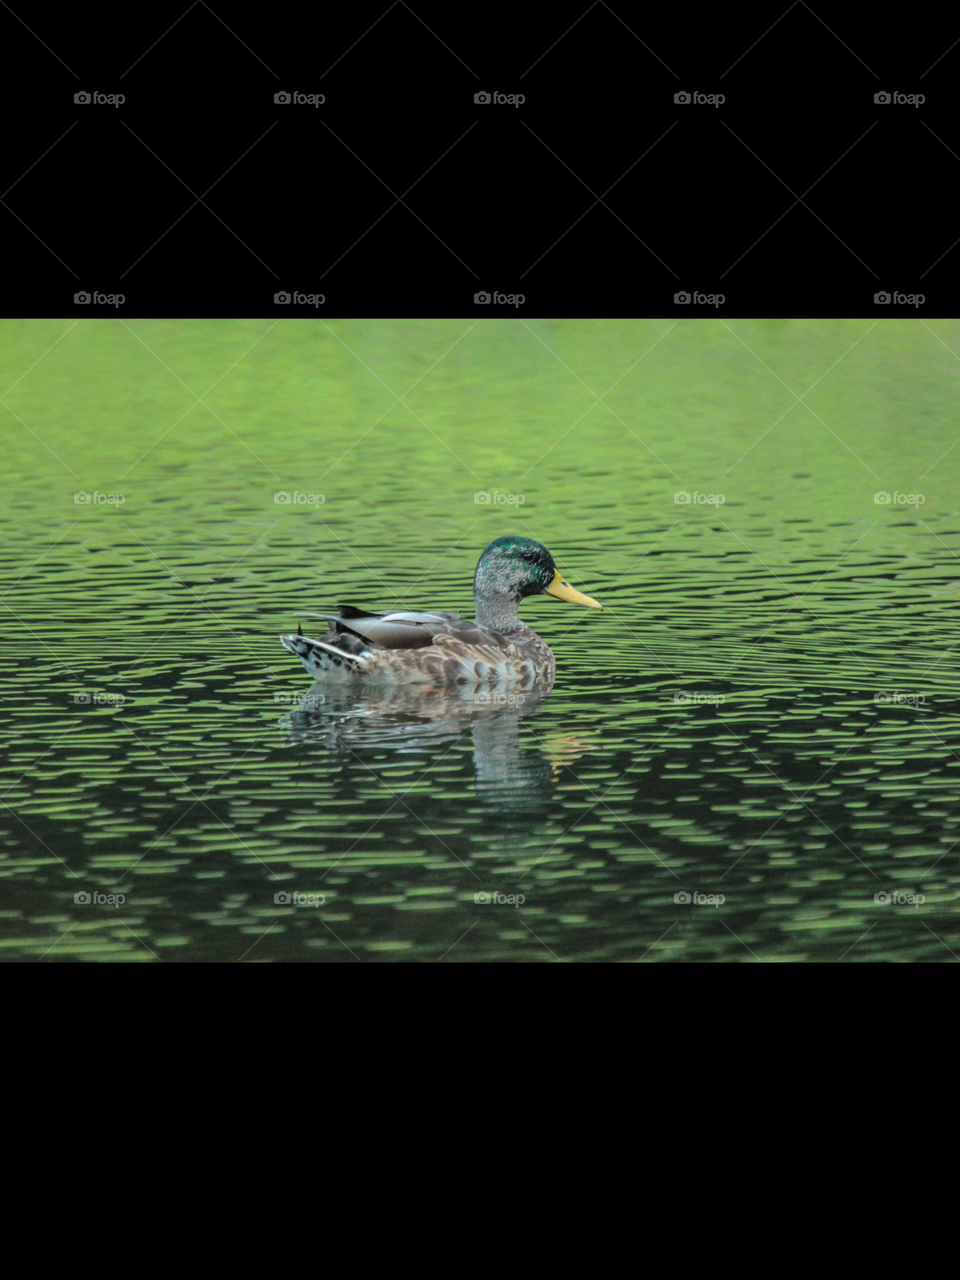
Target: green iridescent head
column 512, row 568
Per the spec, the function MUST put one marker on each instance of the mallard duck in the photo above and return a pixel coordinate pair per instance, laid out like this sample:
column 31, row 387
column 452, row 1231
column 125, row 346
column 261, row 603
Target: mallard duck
column 440, row 649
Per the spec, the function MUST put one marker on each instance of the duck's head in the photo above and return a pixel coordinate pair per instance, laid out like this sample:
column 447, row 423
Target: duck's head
column 512, row 568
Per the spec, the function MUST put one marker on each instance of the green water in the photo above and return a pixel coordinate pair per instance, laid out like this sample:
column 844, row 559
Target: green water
column 715, row 731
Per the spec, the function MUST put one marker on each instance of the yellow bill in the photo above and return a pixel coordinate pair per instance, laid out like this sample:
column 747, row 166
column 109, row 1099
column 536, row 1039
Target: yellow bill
column 563, row 591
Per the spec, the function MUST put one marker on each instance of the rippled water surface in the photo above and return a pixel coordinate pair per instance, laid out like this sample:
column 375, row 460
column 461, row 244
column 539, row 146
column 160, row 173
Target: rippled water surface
column 763, row 720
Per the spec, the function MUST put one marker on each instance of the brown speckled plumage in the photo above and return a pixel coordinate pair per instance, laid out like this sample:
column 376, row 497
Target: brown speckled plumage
column 441, row 649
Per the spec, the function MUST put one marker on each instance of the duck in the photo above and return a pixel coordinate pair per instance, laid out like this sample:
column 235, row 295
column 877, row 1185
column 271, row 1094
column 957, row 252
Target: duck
column 442, row 650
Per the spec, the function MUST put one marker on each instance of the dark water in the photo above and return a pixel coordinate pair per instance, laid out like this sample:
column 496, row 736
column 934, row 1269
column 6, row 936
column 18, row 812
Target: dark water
column 766, row 712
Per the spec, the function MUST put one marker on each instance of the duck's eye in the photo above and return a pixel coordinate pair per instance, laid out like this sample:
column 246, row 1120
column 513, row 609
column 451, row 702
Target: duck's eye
column 529, row 555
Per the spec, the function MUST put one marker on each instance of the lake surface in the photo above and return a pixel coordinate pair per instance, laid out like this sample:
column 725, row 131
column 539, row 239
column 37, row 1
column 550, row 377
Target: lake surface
column 758, row 736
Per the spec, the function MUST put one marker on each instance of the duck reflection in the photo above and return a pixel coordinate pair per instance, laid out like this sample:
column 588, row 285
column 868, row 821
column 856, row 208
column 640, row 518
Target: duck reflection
column 511, row 778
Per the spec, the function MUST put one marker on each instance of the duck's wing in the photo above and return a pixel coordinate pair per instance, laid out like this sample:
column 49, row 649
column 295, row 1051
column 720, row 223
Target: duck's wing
column 402, row 630
column 435, row 648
